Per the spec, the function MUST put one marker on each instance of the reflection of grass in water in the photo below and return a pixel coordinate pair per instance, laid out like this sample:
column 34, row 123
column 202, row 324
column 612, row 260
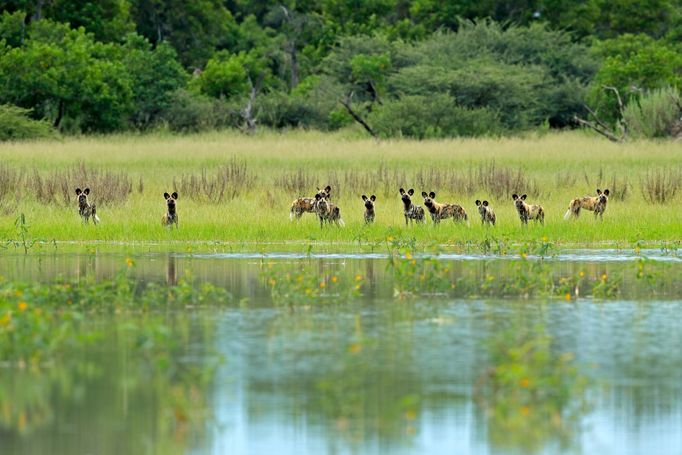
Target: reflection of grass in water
column 531, row 395
column 47, row 331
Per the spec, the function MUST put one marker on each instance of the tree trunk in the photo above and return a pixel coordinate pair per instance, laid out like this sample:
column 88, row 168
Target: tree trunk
column 346, row 103
column 60, row 114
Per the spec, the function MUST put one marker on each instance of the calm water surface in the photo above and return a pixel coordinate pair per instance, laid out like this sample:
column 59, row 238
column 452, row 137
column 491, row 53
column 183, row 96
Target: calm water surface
column 376, row 375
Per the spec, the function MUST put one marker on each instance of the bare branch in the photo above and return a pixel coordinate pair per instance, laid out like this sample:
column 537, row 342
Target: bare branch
column 599, row 129
column 346, row 103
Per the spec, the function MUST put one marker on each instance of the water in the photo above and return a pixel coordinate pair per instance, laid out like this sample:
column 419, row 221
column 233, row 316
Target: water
column 427, row 373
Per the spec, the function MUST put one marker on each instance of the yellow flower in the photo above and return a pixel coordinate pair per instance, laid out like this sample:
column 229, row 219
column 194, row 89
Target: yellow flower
column 272, row 282
column 568, row 296
column 581, row 274
column 408, row 255
column 390, row 238
column 355, row 348
column 18, row 293
column 129, row 262
column 604, row 277
column 322, row 285
column 525, row 410
column 525, row 382
column 545, row 238
column 357, row 287
column 22, row 306
column 524, row 255
column 334, row 279
column 358, row 277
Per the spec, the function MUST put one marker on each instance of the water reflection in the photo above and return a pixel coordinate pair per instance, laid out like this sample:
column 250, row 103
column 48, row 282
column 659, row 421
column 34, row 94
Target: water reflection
column 431, row 369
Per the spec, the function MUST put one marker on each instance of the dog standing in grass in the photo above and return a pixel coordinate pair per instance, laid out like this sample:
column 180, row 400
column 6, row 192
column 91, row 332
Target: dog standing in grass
column 596, row 204
column 528, row 211
column 442, row 211
column 326, row 211
column 171, row 216
column 307, row 204
column 369, row 208
column 85, row 209
column 411, row 211
column 486, row 212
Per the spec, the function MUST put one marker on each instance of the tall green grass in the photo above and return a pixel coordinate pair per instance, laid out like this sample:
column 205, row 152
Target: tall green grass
column 555, row 169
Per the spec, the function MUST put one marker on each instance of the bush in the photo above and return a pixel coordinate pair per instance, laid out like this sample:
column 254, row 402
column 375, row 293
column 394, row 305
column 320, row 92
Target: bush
column 16, row 125
column 190, row 112
column 432, row 117
column 655, row 114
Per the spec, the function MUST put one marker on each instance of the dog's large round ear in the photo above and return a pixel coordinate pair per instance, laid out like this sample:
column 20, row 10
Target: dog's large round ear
column 364, row 198
column 402, row 191
column 317, row 197
column 372, row 198
column 485, row 203
column 432, row 194
column 175, row 195
column 523, row 198
column 598, row 191
column 478, row 202
column 166, row 195
column 86, row 191
column 410, row 191
column 424, row 195
column 606, row 192
column 327, row 189
column 515, row 196
column 78, row 191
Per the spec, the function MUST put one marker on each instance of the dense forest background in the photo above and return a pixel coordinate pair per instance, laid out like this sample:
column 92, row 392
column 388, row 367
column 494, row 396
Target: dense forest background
column 418, row 68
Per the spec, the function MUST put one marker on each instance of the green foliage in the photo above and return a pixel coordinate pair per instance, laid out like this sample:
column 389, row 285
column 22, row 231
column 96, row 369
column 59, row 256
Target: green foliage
column 15, row 124
column 155, row 75
column 654, row 114
column 107, row 20
column 66, row 76
column 191, row 112
column 437, row 116
column 195, row 29
column 632, row 64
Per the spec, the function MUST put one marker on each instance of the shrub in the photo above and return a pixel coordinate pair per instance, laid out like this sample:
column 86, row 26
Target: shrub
column 15, row 124
column 190, row 112
column 660, row 186
column 655, row 114
column 432, row 117
column 229, row 181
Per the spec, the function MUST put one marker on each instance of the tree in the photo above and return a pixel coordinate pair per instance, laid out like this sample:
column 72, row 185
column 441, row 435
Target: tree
column 67, row 77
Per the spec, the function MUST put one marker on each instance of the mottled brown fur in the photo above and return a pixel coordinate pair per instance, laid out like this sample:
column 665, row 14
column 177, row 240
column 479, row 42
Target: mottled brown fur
column 85, row 209
column 171, row 216
column 596, row 204
column 307, row 204
column 486, row 212
column 440, row 211
column 411, row 211
column 528, row 211
column 369, row 208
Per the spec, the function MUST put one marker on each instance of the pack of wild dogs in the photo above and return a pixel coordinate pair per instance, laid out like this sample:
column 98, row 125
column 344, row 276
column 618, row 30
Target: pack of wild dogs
column 328, row 212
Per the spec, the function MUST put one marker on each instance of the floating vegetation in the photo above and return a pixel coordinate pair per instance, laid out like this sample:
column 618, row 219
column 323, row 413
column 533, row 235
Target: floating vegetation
column 303, row 284
column 39, row 322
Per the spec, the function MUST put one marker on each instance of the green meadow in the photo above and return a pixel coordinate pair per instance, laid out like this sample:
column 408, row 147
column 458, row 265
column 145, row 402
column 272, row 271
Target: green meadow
column 237, row 189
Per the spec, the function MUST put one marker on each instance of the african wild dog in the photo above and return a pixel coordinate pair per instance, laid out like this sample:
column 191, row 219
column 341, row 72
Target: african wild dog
column 527, row 211
column 307, row 204
column 412, row 212
column 594, row 204
column 85, row 209
column 326, row 211
column 442, row 211
column 171, row 216
column 369, row 208
column 486, row 212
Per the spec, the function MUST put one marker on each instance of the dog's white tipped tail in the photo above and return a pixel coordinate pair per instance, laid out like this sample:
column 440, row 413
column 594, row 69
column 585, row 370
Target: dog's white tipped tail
column 291, row 215
column 341, row 223
column 96, row 218
column 568, row 214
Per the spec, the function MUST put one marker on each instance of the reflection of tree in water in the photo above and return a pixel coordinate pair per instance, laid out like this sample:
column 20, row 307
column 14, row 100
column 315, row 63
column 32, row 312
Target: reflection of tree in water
column 338, row 372
column 142, row 388
column 531, row 395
